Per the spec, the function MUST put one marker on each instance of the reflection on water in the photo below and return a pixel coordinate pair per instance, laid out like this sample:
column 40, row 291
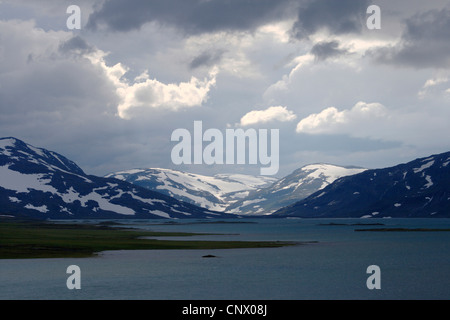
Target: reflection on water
column 414, row 265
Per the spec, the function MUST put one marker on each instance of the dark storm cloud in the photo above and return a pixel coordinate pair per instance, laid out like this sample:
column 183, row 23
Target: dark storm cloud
column 191, row 16
column 338, row 17
column 327, row 49
column 424, row 43
column 203, row 16
column 75, row 44
column 207, row 59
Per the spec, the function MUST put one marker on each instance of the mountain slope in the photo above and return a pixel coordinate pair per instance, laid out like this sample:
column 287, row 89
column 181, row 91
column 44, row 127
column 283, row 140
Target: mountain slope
column 420, row 188
column 212, row 192
column 38, row 183
column 297, row 185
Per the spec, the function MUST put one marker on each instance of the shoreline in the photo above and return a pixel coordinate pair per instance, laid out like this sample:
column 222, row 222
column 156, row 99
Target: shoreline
column 37, row 239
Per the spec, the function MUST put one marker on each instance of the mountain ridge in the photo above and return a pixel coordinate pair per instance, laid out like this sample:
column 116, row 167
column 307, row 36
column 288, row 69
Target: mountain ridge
column 299, row 184
column 419, row 188
column 38, row 183
column 212, row 192
column 236, row 193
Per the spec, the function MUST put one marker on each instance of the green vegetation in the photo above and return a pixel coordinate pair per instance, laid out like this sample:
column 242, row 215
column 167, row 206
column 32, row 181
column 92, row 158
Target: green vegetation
column 36, row 239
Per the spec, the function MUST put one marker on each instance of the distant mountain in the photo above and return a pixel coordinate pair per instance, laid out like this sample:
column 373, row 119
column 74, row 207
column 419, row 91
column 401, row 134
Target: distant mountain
column 297, row 185
column 38, row 183
column 237, row 193
column 420, row 188
column 211, row 192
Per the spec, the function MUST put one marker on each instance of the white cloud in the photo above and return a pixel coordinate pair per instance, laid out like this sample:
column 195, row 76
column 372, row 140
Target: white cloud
column 433, row 84
column 321, row 122
column 424, row 128
column 151, row 93
column 155, row 94
column 319, row 82
column 331, row 120
column 280, row 30
column 277, row 113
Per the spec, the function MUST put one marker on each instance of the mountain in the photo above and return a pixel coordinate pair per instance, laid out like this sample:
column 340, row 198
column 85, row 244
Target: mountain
column 420, row 188
column 237, row 193
column 211, row 192
column 297, row 185
column 38, row 183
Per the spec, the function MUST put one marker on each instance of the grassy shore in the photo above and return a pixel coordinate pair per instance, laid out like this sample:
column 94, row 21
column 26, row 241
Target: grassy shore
column 34, row 239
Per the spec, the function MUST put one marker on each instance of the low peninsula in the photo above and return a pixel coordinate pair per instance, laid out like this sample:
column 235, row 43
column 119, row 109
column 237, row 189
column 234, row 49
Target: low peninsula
column 42, row 239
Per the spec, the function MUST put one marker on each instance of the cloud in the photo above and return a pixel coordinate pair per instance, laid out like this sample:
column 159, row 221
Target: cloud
column 423, row 127
column 439, row 83
column 350, row 121
column 39, row 72
column 194, row 17
column 144, row 92
column 434, row 82
column 189, row 16
column 207, row 59
column 75, row 44
column 58, row 90
column 425, row 42
column 54, row 98
column 327, row 49
column 278, row 113
column 337, row 17
column 154, row 94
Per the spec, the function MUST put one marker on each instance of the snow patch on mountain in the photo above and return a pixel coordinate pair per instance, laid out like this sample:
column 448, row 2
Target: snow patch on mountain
column 424, row 166
column 21, row 182
column 294, row 187
column 211, row 192
column 36, row 182
column 429, row 182
column 42, row 209
column 419, row 188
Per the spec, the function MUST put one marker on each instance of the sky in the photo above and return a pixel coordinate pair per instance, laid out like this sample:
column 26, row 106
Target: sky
column 110, row 94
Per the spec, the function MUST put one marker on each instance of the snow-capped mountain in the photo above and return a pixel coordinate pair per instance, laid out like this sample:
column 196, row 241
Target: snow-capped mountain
column 420, row 188
column 38, row 183
column 211, row 192
column 297, row 185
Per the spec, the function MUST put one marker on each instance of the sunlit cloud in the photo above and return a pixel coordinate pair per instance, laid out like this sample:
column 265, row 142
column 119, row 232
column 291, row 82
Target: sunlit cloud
column 144, row 92
column 277, row 113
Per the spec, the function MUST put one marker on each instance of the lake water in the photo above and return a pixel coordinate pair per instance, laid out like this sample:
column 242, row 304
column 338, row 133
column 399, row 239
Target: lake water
column 413, row 265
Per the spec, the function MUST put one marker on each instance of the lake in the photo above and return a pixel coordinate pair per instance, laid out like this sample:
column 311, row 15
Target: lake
column 413, row 265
